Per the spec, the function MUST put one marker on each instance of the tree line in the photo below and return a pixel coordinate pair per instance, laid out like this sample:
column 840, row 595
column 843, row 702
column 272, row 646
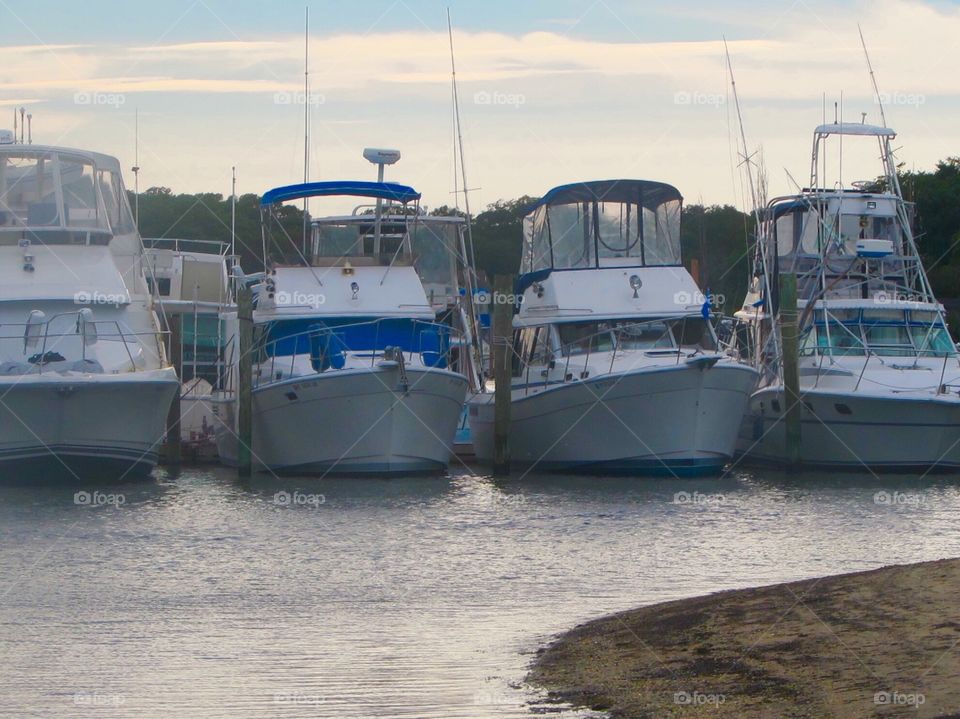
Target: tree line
column 714, row 238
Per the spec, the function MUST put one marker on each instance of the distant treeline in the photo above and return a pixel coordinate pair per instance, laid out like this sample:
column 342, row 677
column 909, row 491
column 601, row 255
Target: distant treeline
column 714, row 238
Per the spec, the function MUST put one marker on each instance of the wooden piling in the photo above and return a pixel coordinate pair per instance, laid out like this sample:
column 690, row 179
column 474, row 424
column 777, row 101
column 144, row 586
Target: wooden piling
column 789, row 335
column 172, row 454
column 503, row 290
column 245, row 383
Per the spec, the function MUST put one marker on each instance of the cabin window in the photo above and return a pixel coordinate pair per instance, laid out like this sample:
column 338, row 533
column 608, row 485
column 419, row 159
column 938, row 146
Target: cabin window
column 28, row 193
column 540, row 353
column 159, row 285
column 929, row 335
column 582, row 337
column 784, row 234
column 605, row 336
column 115, row 202
column 644, row 336
column 79, row 194
column 840, row 338
column 579, row 235
column 693, row 332
column 886, row 333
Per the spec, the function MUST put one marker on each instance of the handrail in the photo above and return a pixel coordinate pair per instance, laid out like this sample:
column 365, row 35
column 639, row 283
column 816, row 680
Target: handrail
column 44, row 339
column 268, row 349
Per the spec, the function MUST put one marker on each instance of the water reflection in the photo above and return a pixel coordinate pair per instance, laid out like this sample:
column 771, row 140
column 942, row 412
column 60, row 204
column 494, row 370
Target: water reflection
column 205, row 596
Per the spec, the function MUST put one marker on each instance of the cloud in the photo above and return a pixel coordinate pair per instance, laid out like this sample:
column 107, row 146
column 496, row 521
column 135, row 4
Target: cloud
column 539, row 109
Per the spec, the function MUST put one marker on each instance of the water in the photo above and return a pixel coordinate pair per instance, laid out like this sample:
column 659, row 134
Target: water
column 196, row 595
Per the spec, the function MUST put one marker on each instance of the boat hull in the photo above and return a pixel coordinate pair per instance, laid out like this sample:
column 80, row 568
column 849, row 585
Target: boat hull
column 351, row 422
column 857, row 431
column 673, row 421
column 82, row 428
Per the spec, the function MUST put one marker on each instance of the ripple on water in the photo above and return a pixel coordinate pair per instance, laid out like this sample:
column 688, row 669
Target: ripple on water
column 204, row 597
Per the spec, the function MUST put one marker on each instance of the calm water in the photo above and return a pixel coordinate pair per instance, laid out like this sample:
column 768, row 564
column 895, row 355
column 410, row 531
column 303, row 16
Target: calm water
column 198, row 596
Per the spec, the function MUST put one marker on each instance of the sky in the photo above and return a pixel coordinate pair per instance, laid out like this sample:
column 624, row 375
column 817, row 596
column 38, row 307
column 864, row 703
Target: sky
column 550, row 92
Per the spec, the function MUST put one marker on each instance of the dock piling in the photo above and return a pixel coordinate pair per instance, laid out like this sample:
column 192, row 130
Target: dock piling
column 503, row 291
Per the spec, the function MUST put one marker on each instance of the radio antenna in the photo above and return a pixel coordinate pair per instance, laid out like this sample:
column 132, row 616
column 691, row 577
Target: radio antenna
column 306, row 122
column 873, row 77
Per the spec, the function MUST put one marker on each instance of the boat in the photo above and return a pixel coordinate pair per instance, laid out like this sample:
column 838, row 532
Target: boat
column 878, row 373
column 192, row 285
column 85, row 383
column 616, row 365
column 361, row 347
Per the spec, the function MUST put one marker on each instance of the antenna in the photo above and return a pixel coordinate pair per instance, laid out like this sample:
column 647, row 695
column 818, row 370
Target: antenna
column 233, row 211
column 136, row 168
column 23, row 112
column 873, row 77
column 743, row 135
column 456, row 112
column 472, row 261
column 306, row 120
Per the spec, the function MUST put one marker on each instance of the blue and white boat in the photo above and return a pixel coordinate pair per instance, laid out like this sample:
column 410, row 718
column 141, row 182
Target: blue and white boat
column 617, row 368
column 360, row 365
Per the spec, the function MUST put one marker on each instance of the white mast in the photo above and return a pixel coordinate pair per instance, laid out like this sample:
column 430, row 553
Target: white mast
column 233, row 212
column 136, row 168
column 306, row 123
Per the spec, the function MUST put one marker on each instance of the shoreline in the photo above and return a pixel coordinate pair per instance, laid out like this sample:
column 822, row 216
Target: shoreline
column 879, row 643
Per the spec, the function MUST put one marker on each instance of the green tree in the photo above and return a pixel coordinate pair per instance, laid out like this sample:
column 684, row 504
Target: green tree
column 498, row 236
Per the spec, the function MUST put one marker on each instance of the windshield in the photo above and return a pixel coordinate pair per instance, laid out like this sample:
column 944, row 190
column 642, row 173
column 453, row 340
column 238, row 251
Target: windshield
column 886, row 333
column 607, row 335
column 60, row 194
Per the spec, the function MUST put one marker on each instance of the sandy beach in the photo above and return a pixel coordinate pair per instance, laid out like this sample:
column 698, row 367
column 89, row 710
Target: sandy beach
column 882, row 643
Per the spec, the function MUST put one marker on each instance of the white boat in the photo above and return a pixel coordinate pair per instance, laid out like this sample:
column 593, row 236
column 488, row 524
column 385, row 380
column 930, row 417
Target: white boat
column 616, row 364
column 360, row 368
column 85, row 385
column 191, row 281
column 878, row 373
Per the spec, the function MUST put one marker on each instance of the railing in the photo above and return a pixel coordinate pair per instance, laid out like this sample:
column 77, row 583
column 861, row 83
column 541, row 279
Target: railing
column 86, row 330
column 184, row 245
column 328, row 347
